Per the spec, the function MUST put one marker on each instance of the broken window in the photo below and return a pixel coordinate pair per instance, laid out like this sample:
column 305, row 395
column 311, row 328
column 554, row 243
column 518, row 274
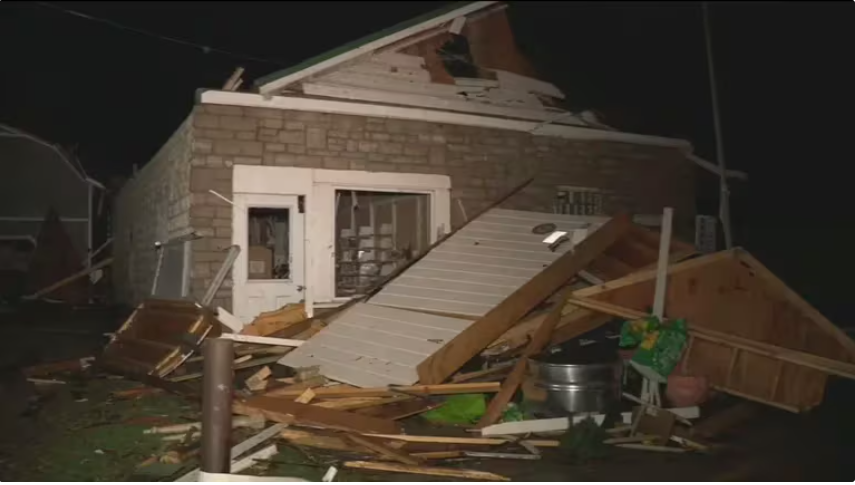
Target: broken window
column 579, row 201
column 269, row 244
column 375, row 233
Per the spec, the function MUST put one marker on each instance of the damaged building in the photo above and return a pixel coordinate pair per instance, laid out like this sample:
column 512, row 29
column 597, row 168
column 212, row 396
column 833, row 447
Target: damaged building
column 331, row 174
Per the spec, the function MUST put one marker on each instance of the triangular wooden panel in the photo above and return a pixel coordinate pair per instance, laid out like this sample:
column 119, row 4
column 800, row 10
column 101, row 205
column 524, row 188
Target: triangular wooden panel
column 732, row 292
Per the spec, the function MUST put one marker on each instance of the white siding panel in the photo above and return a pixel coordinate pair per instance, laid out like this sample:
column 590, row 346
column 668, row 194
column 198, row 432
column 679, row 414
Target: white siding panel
column 421, row 304
column 372, row 346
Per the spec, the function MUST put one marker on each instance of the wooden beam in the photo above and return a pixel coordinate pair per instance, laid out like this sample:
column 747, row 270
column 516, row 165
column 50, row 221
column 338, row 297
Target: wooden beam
column 284, row 411
column 538, row 341
column 252, row 339
column 485, row 330
column 662, row 264
column 383, row 450
column 450, row 440
column 427, row 470
column 434, row 390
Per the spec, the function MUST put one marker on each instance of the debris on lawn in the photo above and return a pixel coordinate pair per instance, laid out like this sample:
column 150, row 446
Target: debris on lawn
column 419, row 390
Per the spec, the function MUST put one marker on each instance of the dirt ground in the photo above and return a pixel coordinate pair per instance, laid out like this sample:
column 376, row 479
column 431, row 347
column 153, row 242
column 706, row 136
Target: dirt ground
column 78, row 432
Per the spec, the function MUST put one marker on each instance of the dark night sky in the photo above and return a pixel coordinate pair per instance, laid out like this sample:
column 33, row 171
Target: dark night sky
column 783, row 67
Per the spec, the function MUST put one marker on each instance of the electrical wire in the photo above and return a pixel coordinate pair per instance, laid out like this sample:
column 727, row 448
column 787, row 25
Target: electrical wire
column 204, row 48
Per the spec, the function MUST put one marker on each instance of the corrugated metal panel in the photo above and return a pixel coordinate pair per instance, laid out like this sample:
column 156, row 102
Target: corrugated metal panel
column 373, row 346
column 483, row 263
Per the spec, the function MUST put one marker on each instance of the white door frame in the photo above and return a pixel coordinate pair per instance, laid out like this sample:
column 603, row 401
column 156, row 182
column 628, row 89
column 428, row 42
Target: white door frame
column 242, row 286
column 318, row 186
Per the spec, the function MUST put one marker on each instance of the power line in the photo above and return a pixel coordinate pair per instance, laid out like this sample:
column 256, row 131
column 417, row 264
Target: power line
column 204, row 48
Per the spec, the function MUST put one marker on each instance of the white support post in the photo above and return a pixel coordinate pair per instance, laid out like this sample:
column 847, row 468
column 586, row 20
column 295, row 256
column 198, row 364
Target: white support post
column 662, row 264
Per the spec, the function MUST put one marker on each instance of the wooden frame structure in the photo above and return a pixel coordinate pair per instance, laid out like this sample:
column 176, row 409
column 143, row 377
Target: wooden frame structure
column 746, row 327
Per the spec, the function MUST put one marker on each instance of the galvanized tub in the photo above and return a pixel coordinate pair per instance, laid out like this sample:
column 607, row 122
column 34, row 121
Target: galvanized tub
column 580, row 380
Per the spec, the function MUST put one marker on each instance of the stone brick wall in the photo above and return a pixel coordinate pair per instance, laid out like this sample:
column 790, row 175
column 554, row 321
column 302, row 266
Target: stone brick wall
column 153, row 206
column 482, row 163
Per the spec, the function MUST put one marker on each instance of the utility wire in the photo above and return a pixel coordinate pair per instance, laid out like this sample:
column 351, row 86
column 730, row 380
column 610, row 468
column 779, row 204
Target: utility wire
column 204, row 48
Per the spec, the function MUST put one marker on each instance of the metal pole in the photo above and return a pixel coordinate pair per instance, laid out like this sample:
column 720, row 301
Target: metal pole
column 724, row 193
column 216, row 405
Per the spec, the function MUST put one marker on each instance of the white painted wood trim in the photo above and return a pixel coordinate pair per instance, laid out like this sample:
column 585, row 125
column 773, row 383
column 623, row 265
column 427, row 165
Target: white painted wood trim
column 229, row 320
column 457, row 25
column 662, row 264
column 426, row 101
column 372, row 46
column 523, row 427
column 515, row 81
column 435, row 116
column 252, row 339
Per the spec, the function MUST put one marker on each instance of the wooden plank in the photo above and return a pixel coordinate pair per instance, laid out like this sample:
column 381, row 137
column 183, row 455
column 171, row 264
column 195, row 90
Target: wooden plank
column 512, row 383
column 662, row 265
column 425, row 470
column 250, row 339
column 284, row 411
column 399, row 410
column 478, row 335
column 468, row 376
column 451, row 440
column 525, row 427
column 434, row 390
column 383, row 450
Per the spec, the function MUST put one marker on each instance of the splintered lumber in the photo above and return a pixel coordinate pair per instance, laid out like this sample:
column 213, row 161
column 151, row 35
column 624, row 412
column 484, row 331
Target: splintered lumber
column 383, row 450
column 399, row 410
column 512, row 383
column 239, row 449
column 351, row 403
column 451, row 440
column 501, row 456
column 437, row 455
column 284, row 411
column 251, row 339
column 306, row 397
column 298, row 388
column 276, row 322
column 243, row 365
column 427, row 470
column 525, row 427
column 488, row 328
column 258, row 381
column 439, row 389
column 326, row 441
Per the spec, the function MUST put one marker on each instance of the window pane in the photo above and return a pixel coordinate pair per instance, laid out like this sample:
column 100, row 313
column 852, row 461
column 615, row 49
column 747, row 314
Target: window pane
column 269, row 244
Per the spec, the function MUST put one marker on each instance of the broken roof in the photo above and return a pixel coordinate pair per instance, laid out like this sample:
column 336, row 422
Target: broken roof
column 367, row 44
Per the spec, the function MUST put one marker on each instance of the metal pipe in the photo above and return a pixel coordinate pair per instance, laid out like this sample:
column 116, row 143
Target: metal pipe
column 217, row 381
column 724, row 193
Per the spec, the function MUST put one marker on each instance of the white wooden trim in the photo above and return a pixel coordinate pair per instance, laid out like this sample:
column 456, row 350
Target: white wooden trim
column 425, row 101
column 524, row 427
column 713, row 168
column 356, row 79
column 252, row 339
column 522, row 83
column 662, row 264
column 435, row 116
column 372, row 46
column 457, row 25
column 318, row 186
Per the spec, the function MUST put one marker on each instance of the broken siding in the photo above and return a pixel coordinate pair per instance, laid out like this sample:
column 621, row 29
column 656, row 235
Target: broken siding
column 482, row 264
column 373, row 346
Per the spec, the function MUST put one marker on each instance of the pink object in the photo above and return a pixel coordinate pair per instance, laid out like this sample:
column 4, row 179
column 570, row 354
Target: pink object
column 685, row 391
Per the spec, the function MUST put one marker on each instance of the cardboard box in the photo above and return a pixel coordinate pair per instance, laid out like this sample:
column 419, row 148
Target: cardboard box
column 260, row 263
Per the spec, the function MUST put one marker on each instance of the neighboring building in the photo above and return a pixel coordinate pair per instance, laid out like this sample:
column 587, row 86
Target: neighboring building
column 351, row 162
column 39, row 176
